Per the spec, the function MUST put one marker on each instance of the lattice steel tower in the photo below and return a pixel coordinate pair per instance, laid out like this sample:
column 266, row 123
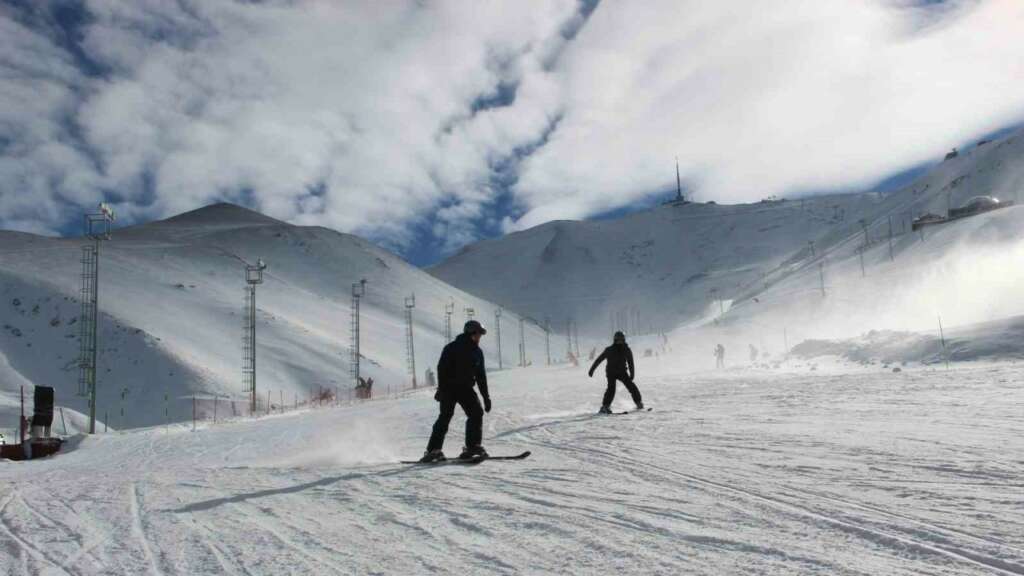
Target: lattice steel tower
column 97, row 228
column 358, row 290
column 253, row 277
column 410, row 349
column 449, row 309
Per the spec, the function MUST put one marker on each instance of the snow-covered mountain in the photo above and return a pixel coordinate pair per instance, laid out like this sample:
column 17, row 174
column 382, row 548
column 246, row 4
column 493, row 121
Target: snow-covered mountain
column 171, row 301
column 681, row 266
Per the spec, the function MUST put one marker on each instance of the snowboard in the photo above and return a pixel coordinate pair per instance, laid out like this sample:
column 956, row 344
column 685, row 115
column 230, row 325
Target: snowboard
column 470, row 461
column 630, row 411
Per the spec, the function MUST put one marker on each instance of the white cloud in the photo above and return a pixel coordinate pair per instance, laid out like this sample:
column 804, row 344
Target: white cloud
column 767, row 97
column 359, row 115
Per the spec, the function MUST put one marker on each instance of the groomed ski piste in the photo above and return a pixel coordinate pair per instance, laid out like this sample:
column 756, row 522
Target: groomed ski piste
column 843, row 470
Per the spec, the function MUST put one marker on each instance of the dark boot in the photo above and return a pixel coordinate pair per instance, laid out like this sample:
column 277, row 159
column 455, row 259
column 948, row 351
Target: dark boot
column 433, row 456
column 473, row 452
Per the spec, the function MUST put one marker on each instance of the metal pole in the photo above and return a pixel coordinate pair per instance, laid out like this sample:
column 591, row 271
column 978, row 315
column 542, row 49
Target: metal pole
column 193, row 412
column 215, row 398
column 862, row 272
column 942, row 336
column 821, row 272
column 547, row 339
column 95, row 344
column 21, row 420
column 410, row 304
column 252, row 329
column 891, row 256
column 522, row 344
column 497, row 327
column 62, row 422
column 576, row 337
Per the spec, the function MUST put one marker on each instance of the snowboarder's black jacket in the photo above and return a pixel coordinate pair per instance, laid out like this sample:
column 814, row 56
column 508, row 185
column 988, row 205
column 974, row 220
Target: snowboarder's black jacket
column 461, row 365
column 619, row 358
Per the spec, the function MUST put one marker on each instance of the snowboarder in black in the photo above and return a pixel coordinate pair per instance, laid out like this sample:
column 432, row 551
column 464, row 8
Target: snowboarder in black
column 619, row 367
column 460, row 367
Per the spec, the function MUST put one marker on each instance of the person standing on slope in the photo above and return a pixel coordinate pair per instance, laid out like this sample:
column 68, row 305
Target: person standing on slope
column 460, row 367
column 619, row 367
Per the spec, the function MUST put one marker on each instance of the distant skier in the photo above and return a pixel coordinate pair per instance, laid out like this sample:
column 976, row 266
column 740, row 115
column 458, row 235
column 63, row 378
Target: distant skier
column 620, row 367
column 753, row 354
column 460, row 367
column 719, row 356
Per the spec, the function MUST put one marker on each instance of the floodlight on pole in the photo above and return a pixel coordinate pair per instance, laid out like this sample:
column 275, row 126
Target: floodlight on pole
column 449, row 309
column 253, row 278
column 410, row 348
column 358, row 291
column 97, row 229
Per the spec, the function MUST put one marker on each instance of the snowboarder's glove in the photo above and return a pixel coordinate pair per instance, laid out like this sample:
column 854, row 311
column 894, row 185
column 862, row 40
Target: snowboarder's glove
column 487, row 403
column 437, row 395
column 591, row 373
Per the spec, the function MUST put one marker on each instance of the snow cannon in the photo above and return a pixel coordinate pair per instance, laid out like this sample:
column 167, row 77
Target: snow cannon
column 39, row 444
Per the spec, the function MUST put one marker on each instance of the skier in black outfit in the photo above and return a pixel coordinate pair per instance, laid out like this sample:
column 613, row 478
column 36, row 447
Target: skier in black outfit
column 460, row 367
column 620, row 367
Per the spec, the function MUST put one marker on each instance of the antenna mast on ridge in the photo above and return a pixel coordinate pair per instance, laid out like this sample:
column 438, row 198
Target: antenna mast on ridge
column 679, row 184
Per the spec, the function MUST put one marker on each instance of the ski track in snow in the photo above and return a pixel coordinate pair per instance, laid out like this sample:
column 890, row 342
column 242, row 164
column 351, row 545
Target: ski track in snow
column 737, row 472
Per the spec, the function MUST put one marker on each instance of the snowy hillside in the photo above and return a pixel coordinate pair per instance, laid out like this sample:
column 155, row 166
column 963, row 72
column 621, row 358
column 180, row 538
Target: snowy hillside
column 171, row 301
column 686, row 265
column 749, row 472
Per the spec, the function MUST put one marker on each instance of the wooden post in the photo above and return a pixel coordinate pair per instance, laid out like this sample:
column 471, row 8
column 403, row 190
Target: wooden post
column 106, row 419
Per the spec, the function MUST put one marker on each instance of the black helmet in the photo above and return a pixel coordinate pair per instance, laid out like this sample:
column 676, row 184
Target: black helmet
column 473, row 327
column 619, row 337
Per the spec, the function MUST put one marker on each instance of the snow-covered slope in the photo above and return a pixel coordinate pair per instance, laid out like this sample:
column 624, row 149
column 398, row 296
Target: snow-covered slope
column 685, row 265
column 748, row 472
column 171, row 299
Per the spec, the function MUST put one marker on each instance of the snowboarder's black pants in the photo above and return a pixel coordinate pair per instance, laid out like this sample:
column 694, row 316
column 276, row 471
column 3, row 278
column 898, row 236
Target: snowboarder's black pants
column 609, row 393
column 474, row 418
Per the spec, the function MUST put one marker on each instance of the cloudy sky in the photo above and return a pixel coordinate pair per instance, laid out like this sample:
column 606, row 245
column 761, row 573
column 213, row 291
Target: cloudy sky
column 425, row 125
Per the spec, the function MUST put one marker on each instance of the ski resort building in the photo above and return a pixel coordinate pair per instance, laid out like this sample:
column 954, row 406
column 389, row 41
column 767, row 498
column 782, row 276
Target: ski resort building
column 978, row 205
